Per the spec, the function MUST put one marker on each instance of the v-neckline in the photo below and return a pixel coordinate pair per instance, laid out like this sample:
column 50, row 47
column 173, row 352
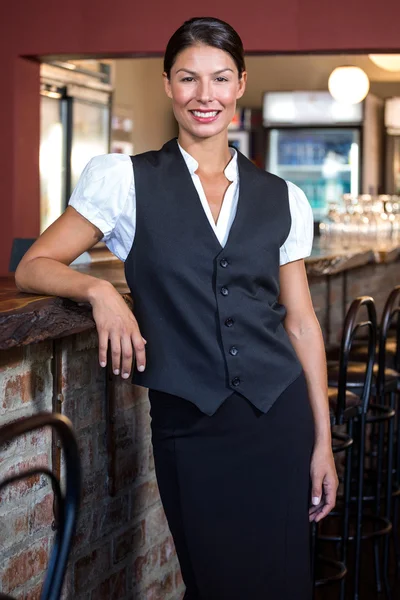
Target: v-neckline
column 200, row 205
column 207, row 206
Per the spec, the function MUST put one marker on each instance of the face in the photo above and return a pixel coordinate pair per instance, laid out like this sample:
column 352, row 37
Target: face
column 204, row 85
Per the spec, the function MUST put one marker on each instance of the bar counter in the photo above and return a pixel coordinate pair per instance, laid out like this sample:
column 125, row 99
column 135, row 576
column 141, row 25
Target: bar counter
column 26, row 318
column 49, row 362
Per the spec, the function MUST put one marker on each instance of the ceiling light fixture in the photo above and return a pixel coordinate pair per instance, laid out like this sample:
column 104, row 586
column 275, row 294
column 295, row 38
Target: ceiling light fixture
column 348, row 84
column 388, row 62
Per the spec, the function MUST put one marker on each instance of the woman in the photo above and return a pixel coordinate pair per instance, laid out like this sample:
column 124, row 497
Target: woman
column 224, row 333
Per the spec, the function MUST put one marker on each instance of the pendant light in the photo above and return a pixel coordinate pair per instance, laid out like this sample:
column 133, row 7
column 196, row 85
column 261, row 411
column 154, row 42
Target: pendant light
column 348, row 84
column 388, row 62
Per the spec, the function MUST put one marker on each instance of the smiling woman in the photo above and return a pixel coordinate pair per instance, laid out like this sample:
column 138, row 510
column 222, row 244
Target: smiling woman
column 223, row 332
column 204, row 75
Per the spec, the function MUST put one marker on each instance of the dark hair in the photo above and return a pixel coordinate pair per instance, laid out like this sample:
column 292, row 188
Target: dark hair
column 208, row 31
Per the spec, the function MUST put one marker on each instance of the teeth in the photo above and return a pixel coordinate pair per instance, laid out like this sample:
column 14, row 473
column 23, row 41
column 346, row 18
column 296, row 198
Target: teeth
column 205, row 115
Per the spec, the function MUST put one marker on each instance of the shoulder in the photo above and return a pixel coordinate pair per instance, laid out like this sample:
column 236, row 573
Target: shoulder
column 103, row 189
column 107, row 166
column 155, row 158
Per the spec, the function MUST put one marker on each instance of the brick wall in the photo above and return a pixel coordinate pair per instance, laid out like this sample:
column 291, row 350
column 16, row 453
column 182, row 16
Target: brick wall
column 123, row 548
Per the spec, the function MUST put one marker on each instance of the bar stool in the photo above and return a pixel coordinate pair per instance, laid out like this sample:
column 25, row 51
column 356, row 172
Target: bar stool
column 389, row 367
column 349, row 409
column 387, row 373
column 379, row 415
column 68, row 501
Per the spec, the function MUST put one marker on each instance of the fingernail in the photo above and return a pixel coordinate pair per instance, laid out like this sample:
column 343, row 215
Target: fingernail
column 141, row 368
column 103, row 364
column 125, row 375
column 116, row 371
column 315, row 500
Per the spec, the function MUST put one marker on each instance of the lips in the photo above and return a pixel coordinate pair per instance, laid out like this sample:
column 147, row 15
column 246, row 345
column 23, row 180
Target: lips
column 205, row 116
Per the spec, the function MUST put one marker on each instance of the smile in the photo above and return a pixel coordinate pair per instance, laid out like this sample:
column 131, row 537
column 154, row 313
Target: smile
column 205, row 116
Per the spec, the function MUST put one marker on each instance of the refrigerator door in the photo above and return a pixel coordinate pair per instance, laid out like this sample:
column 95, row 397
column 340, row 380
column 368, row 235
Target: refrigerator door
column 392, row 166
column 324, row 163
column 90, row 135
column 51, row 161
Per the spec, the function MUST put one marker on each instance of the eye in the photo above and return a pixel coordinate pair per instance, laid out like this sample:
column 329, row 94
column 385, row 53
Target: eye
column 189, row 79
column 220, row 79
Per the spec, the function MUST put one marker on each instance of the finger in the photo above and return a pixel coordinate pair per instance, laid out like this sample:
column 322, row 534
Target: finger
column 127, row 355
column 103, row 347
column 116, row 353
column 329, row 499
column 316, row 492
column 324, row 512
column 314, row 509
column 140, row 352
column 325, row 509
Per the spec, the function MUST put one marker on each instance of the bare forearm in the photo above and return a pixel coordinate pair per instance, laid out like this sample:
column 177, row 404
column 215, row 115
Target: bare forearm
column 51, row 277
column 309, row 346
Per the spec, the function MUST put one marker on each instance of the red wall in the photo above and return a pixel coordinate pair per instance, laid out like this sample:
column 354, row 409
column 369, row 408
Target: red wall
column 126, row 28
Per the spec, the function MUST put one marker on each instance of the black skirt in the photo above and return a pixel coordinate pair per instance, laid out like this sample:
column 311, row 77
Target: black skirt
column 236, row 490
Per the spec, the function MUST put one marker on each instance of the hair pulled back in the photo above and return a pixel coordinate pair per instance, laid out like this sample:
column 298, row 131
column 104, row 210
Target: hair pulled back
column 210, row 32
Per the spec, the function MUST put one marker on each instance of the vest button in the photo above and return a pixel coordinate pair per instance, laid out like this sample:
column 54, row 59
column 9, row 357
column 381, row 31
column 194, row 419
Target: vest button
column 223, row 262
column 233, row 350
column 229, row 322
column 235, row 381
column 224, row 291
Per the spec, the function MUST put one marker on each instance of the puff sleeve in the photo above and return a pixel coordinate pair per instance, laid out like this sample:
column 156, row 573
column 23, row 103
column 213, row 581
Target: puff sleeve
column 105, row 196
column 299, row 242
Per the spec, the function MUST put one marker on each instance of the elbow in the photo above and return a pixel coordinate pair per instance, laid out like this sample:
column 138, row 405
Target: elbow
column 303, row 329
column 20, row 277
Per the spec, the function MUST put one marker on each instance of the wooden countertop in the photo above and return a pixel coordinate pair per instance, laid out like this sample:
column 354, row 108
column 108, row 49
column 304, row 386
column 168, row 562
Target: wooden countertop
column 29, row 318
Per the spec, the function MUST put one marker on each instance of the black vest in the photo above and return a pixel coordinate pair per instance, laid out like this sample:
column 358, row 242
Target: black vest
column 210, row 314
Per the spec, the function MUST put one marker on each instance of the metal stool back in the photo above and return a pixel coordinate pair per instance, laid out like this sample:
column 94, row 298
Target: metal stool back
column 351, row 328
column 351, row 416
column 390, row 317
column 68, row 502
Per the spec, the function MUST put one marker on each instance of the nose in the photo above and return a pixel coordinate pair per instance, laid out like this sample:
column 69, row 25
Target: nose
column 204, row 91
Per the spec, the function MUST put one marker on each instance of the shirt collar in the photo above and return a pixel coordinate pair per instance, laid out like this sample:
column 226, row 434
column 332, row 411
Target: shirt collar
column 231, row 169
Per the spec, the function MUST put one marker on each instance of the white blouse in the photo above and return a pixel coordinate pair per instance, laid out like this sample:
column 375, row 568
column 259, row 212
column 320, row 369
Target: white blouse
column 105, row 195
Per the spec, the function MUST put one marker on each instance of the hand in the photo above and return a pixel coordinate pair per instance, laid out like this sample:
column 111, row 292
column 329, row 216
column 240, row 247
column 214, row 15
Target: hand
column 324, row 483
column 115, row 322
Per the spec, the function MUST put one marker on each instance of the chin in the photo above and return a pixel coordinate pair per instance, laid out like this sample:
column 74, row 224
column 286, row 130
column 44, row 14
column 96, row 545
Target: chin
column 206, row 131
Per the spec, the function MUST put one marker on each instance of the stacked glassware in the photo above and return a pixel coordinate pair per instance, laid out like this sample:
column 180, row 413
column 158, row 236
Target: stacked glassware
column 362, row 221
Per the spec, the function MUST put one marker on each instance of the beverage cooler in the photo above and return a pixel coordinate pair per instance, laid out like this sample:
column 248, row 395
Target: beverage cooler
column 392, row 146
column 75, row 126
column 321, row 145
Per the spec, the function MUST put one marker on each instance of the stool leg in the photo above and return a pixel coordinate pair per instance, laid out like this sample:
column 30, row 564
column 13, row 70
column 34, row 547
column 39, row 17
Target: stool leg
column 346, row 509
column 378, row 496
column 396, row 532
column 388, row 504
column 359, row 509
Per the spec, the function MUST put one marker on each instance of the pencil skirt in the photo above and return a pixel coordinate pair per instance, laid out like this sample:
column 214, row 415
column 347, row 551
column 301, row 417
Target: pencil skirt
column 235, row 487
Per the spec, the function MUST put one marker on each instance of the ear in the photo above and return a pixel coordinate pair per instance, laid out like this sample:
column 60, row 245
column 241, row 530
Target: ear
column 242, row 85
column 167, row 85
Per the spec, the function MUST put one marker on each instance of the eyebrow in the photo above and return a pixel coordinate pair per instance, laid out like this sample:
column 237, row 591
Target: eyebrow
column 194, row 72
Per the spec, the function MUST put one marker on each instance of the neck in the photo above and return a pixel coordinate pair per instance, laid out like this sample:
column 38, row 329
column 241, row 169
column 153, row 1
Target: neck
column 212, row 153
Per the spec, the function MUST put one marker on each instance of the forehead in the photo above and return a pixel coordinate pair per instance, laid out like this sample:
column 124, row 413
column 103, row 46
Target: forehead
column 203, row 58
